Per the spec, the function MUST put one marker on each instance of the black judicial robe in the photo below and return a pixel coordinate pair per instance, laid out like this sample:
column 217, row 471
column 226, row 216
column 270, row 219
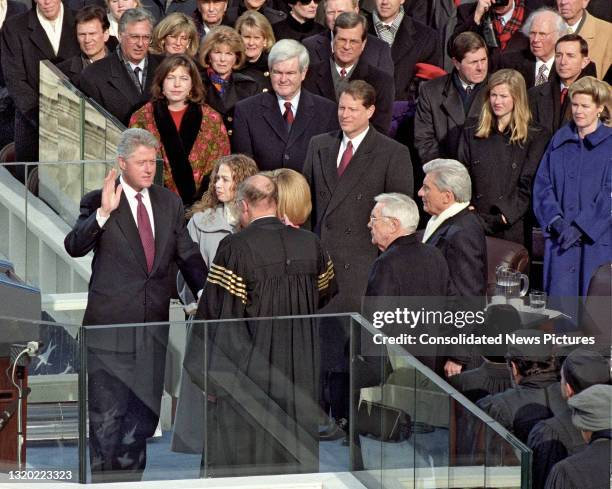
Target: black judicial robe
column 589, row 469
column 263, row 378
column 553, row 440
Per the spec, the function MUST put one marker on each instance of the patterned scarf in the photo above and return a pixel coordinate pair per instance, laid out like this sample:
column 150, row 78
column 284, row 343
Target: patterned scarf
column 505, row 32
column 217, row 82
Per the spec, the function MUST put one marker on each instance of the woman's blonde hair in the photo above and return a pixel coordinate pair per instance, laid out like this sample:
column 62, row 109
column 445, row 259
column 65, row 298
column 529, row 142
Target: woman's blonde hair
column 294, row 199
column 255, row 20
column 222, row 35
column 241, row 167
column 173, row 25
column 521, row 115
column 600, row 92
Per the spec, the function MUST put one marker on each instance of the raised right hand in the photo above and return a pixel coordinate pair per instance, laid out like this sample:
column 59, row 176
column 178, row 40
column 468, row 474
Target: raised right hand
column 110, row 194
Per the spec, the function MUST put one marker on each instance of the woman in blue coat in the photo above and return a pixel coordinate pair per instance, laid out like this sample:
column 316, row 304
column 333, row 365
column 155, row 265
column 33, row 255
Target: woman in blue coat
column 572, row 192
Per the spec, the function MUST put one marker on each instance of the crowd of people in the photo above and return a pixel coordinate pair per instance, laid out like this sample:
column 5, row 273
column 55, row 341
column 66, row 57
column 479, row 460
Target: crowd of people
column 497, row 114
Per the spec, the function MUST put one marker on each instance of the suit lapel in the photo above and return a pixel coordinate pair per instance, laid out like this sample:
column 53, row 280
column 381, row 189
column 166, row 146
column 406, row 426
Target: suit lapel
column 122, row 82
column 271, row 114
column 163, row 225
column 328, row 155
column 125, row 221
column 38, row 36
column 68, row 44
column 441, row 231
column 325, row 84
column 404, row 40
column 451, row 102
column 303, row 116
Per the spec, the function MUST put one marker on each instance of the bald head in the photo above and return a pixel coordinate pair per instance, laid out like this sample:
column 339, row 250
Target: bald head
column 257, row 197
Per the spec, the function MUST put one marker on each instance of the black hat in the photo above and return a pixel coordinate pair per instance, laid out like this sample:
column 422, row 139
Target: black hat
column 529, row 344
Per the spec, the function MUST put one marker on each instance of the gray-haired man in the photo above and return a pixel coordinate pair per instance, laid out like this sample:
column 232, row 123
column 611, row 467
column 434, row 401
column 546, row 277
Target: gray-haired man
column 137, row 231
column 276, row 127
column 121, row 82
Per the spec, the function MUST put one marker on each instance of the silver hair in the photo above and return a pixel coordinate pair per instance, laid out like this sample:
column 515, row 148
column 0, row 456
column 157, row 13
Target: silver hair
column 134, row 15
column 132, row 138
column 286, row 49
column 561, row 26
column 450, row 176
column 402, row 208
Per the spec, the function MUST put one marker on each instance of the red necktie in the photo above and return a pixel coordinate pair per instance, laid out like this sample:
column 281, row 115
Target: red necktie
column 145, row 231
column 288, row 115
column 342, row 73
column 346, row 158
column 563, row 95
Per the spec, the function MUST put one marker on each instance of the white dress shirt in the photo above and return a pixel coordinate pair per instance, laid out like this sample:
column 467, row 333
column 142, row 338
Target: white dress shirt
column 130, row 195
column 53, row 28
column 356, row 141
column 294, row 104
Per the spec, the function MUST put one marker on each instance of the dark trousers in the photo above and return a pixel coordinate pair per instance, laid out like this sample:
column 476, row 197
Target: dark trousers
column 119, row 421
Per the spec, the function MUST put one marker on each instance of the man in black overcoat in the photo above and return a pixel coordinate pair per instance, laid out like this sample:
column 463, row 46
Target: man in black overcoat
column 136, row 231
column 446, row 102
column 329, row 77
column 261, row 123
column 121, row 82
column 26, row 42
column 376, row 53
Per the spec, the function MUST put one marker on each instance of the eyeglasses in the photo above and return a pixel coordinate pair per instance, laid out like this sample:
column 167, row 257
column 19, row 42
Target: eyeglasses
column 308, row 2
column 135, row 38
column 373, row 218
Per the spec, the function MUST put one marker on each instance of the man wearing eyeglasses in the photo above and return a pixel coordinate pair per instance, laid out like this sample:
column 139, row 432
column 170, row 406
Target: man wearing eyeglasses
column 121, row 82
column 543, row 27
column 300, row 23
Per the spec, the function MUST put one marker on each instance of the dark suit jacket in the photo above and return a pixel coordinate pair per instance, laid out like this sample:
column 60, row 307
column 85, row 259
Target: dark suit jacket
column 545, row 102
column 108, row 83
column 13, row 8
column 121, row 290
column 522, row 61
column 419, row 10
column 239, row 88
column 260, row 130
column 232, row 13
column 24, row 45
column 292, row 29
column 461, row 239
column 341, row 206
column 159, row 9
column 440, row 117
column 73, row 67
column 414, row 43
column 319, row 81
column 409, row 268
column 376, row 53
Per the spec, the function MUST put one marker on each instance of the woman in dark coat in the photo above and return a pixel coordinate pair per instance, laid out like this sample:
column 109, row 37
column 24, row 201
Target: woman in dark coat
column 502, row 151
column 572, row 193
column 256, row 32
column 221, row 56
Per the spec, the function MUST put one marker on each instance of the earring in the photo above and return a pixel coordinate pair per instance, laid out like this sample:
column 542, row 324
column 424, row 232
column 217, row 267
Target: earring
column 599, row 115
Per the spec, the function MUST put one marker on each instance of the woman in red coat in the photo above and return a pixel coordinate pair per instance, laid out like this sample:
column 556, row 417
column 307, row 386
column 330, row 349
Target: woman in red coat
column 192, row 134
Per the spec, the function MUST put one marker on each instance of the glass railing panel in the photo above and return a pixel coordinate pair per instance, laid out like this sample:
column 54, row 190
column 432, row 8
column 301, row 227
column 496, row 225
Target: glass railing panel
column 40, row 394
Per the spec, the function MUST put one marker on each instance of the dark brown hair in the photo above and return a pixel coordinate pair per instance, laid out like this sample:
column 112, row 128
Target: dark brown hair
column 584, row 47
column 350, row 20
column 465, row 43
column 92, row 12
column 169, row 64
column 361, row 90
